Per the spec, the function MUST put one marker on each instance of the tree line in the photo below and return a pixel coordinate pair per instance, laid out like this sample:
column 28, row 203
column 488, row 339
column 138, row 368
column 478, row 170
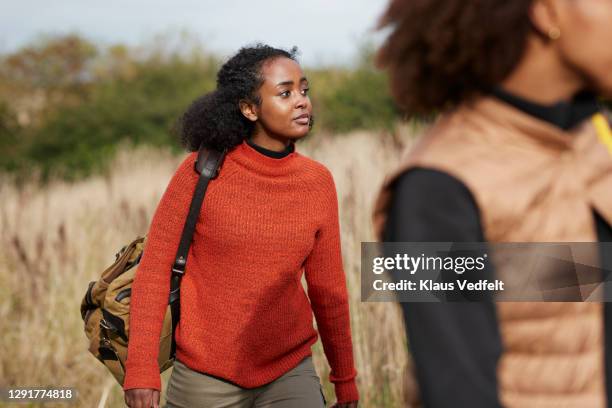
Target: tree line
column 67, row 104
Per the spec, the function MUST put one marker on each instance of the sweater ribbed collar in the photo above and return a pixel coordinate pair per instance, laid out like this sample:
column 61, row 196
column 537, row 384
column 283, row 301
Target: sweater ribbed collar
column 272, row 153
column 252, row 160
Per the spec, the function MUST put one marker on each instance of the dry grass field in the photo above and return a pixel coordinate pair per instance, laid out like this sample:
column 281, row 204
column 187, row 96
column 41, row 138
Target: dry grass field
column 56, row 239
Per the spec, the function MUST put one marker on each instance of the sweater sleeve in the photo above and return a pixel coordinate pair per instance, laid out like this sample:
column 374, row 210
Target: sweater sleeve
column 151, row 286
column 455, row 346
column 329, row 297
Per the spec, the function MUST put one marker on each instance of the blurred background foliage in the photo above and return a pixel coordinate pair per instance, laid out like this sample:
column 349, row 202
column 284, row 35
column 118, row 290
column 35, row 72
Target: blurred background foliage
column 67, row 104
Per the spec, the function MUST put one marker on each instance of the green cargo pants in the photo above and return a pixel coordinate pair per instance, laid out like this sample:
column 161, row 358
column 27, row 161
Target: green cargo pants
column 298, row 388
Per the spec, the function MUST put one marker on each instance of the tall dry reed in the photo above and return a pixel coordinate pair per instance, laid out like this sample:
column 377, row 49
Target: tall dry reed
column 56, row 239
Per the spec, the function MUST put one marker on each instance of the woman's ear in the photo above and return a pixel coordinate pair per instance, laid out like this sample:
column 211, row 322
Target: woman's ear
column 544, row 16
column 248, row 109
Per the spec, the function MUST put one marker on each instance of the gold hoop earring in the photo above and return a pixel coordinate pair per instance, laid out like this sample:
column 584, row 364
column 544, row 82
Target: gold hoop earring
column 554, row 33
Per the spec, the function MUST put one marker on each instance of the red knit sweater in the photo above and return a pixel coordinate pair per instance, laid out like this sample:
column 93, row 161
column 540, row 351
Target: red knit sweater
column 245, row 316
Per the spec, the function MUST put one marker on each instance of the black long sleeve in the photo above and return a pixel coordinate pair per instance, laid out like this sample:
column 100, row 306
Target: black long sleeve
column 455, row 346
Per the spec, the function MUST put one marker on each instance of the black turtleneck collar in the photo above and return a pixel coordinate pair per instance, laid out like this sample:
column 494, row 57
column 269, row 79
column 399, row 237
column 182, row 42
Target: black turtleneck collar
column 563, row 114
column 271, row 153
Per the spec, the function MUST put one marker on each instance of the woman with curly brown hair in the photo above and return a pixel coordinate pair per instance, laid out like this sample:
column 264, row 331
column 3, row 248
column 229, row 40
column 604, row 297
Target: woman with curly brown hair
column 520, row 153
column 270, row 217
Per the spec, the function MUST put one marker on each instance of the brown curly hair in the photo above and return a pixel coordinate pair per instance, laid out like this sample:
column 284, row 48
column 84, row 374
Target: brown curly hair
column 443, row 52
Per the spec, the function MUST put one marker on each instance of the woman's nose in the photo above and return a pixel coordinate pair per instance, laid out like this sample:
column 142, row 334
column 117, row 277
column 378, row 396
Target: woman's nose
column 301, row 101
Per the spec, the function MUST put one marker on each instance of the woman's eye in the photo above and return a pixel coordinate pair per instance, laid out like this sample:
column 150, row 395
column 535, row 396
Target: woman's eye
column 305, row 91
column 285, row 94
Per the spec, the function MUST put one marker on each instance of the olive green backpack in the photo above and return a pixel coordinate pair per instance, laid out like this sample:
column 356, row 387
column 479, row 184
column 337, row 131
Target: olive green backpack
column 105, row 308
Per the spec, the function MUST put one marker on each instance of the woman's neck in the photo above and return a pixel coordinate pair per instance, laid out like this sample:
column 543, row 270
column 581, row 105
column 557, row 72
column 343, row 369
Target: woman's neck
column 541, row 76
column 275, row 144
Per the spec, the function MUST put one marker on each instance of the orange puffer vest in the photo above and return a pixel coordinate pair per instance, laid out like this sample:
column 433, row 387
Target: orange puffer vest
column 532, row 182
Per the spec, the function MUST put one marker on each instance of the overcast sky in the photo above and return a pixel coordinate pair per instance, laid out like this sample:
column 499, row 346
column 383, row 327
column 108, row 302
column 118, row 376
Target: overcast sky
column 327, row 31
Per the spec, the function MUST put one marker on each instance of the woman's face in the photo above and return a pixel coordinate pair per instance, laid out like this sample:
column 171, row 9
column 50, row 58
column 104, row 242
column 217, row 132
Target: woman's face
column 285, row 110
column 585, row 43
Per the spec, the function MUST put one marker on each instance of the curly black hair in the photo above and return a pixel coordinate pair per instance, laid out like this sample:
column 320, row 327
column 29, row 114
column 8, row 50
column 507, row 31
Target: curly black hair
column 214, row 120
column 440, row 53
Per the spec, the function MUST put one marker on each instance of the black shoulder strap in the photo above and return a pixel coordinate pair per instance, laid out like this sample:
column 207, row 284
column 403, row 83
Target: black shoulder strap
column 207, row 165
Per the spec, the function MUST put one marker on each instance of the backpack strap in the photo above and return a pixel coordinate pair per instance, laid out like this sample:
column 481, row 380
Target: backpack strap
column 207, row 165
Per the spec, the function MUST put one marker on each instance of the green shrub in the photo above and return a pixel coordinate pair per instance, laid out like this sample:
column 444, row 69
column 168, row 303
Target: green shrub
column 76, row 141
column 358, row 99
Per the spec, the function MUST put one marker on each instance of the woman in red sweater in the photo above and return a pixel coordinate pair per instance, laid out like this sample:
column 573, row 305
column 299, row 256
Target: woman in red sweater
column 246, row 330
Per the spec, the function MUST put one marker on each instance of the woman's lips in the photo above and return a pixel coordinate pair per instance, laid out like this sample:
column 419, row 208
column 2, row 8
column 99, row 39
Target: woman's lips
column 303, row 119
